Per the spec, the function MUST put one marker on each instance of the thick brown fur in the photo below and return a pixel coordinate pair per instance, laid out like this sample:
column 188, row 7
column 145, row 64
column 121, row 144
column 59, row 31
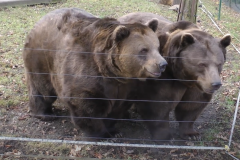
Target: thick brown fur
column 72, row 55
column 195, row 60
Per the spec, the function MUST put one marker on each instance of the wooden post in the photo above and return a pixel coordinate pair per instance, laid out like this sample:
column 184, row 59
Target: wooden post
column 188, row 10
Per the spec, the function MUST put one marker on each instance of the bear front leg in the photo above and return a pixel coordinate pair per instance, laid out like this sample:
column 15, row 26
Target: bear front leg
column 87, row 114
column 189, row 112
column 41, row 104
column 159, row 121
column 160, row 131
column 119, row 111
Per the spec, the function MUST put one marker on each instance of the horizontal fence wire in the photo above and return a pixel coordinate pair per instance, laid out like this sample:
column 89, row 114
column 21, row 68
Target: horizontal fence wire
column 110, row 144
column 92, row 76
column 118, row 99
column 120, row 119
column 62, row 137
column 112, row 54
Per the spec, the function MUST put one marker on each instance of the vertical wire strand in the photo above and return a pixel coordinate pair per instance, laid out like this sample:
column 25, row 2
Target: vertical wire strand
column 234, row 120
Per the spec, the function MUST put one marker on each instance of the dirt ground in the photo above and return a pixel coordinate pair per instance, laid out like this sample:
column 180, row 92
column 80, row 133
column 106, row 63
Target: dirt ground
column 17, row 122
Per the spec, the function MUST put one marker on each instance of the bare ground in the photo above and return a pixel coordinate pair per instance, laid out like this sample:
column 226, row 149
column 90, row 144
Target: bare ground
column 17, row 122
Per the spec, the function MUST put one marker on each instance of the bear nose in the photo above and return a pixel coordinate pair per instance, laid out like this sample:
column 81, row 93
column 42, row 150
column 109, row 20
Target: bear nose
column 162, row 66
column 216, row 85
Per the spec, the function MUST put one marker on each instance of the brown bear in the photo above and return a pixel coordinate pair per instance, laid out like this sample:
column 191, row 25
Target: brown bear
column 195, row 59
column 88, row 63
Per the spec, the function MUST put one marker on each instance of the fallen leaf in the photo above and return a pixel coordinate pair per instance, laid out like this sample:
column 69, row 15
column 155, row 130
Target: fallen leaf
column 88, row 148
column 108, row 152
column 190, row 143
column 73, row 152
column 8, row 146
column 21, row 118
column 63, row 121
column 130, row 151
column 172, row 151
column 8, row 153
column 78, row 148
column 98, row 155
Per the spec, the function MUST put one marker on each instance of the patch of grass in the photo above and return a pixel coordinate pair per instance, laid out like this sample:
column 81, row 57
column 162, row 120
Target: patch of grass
column 210, row 134
column 3, row 111
column 229, row 103
column 229, row 23
column 48, row 148
column 229, row 19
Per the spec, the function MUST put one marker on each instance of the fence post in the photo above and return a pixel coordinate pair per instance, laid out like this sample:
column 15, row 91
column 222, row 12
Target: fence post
column 219, row 10
column 188, row 10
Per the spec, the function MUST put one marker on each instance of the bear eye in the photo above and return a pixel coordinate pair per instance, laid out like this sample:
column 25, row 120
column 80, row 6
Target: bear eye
column 144, row 51
column 202, row 65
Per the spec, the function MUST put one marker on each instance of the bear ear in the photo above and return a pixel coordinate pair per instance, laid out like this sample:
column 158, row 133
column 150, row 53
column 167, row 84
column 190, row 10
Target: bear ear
column 186, row 39
column 120, row 33
column 226, row 40
column 64, row 20
column 153, row 24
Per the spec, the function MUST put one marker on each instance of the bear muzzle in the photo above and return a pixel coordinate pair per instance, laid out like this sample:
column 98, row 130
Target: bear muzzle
column 216, row 85
column 162, row 66
column 157, row 70
column 212, row 88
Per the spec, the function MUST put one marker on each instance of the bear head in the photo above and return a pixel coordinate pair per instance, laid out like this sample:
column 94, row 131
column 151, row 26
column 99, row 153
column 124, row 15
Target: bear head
column 133, row 51
column 197, row 57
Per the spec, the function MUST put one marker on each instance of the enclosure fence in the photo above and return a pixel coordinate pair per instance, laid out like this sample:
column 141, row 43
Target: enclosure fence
column 53, row 139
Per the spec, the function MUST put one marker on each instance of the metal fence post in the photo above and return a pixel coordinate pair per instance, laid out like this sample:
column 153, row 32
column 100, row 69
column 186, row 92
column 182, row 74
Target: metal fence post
column 219, row 10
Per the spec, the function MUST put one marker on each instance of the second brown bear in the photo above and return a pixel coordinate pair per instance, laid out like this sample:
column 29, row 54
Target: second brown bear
column 195, row 60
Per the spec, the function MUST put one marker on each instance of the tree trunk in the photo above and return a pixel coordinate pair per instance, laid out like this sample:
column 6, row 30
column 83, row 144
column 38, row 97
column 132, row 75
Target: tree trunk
column 188, row 10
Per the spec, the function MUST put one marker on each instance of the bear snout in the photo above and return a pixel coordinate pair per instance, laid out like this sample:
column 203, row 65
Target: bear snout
column 212, row 87
column 216, row 85
column 162, row 66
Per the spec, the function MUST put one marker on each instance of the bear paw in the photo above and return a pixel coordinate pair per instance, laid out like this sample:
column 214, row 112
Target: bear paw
column 191, row 135
column 162, row 136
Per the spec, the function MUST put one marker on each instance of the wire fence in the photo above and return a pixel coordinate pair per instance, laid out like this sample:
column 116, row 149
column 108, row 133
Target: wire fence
column 234, row 4
column 63, row 131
